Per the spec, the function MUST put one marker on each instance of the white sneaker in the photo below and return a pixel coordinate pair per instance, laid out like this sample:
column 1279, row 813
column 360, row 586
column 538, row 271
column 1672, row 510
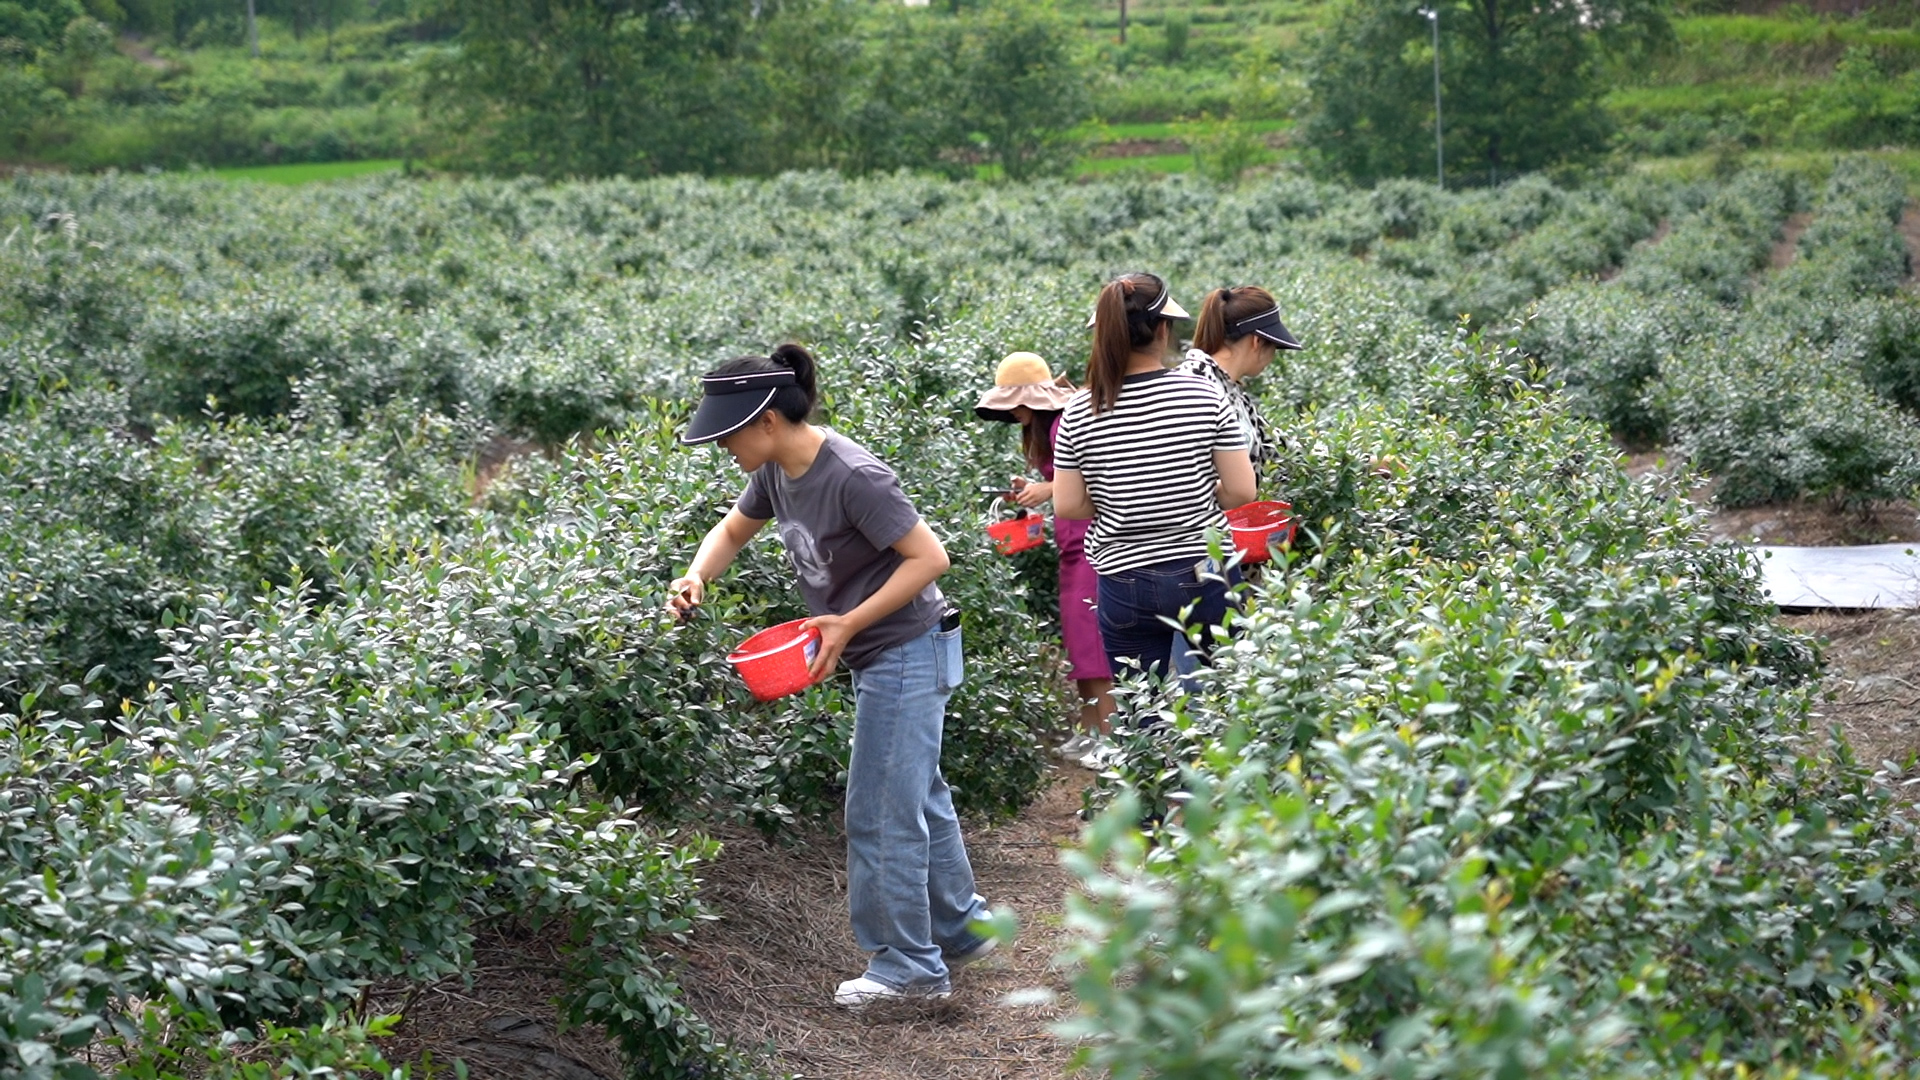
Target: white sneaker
column 956, row 961
column 855, row 993
column 1078, row 744
column 1100, row 755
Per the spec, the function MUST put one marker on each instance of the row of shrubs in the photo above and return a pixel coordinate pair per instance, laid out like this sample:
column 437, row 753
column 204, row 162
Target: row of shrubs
column 527, row 306
column 238, row 434
column 1781, row 384
column 418, row 726
column 1508, row 772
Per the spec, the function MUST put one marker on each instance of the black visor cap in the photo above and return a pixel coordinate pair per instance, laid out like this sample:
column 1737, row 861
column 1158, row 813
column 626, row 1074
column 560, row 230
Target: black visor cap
column 1267, row 324
column 731, row 402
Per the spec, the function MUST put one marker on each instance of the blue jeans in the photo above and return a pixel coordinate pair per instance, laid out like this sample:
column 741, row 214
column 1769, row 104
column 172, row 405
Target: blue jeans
column 909, row 884
column 1141, row 611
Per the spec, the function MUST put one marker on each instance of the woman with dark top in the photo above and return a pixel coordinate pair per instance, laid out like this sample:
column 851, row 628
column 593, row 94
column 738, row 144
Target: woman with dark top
column 1235, row 338
column 867, row 564
column 1151, row 455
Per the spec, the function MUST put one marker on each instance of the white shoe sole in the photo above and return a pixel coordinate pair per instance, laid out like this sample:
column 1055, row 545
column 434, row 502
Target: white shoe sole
column 850, row 996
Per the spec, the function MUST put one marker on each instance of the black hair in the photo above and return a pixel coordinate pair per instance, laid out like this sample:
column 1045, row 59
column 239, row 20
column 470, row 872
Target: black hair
column 796, row 403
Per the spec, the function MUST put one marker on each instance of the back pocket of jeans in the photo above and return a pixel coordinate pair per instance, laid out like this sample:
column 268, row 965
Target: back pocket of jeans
column 949, row 661
column 1119, row 603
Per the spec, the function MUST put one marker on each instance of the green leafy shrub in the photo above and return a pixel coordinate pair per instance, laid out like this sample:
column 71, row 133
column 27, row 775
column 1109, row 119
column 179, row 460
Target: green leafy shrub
column 1771, row 418
column 1609, row 349
column 1505, row 771
column 1718, row 247
column 253, row 862
column 114, row 533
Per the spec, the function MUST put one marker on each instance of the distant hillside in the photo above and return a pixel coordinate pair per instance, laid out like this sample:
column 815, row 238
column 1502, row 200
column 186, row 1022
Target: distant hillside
column 1750, row 76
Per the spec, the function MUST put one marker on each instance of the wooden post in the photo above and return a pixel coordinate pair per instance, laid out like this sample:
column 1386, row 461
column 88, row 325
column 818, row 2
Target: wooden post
column 253, row 33
column 1123, row 21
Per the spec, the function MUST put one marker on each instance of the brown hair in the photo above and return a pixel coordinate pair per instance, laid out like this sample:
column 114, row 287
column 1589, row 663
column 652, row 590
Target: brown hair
column 1036, row 437
column 1224, row 307
column 1125, row 319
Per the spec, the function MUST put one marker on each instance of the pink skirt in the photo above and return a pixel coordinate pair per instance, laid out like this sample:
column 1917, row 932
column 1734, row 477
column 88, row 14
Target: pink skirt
column 1079, row 585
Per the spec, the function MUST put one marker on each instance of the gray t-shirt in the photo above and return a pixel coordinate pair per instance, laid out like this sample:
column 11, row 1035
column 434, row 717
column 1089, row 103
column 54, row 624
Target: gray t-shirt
column 839, row 521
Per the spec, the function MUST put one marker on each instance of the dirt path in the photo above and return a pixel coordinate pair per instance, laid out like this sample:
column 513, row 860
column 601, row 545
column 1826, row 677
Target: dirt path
column 1910, row 232
column 1872, row 691
column 764, row 976
column 1789, row 244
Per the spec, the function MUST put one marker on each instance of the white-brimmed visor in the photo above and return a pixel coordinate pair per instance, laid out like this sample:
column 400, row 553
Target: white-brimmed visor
column 1162, row 306
column 731, row 402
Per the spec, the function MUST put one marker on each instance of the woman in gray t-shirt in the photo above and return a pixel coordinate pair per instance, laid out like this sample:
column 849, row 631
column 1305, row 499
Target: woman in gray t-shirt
column 867, row 565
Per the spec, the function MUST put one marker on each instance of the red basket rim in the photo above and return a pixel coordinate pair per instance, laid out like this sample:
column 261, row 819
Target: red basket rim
column 740, row 655
column 1259, row 516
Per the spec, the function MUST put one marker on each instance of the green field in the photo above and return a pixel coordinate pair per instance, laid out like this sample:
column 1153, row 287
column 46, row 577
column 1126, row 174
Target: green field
column 307, row 173
column 1507, row 760
column 1163, row 164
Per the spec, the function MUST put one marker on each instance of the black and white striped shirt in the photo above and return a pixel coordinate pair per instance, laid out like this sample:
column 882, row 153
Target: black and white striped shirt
column 1148, row 466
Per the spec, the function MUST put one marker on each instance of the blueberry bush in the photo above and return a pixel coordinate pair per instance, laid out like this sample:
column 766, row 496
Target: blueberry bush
column 304, row 678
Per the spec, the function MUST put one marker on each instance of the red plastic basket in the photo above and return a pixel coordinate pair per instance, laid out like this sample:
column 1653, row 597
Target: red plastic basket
column 773, row 663
column 1259, row 527
column 1017, row 534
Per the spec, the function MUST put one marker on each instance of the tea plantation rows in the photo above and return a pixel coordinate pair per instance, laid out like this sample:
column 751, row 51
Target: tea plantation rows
column 1508, row 771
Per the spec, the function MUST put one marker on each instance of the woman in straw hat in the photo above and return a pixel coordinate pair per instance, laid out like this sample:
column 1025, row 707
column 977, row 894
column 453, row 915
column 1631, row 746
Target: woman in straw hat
column 1025, row 392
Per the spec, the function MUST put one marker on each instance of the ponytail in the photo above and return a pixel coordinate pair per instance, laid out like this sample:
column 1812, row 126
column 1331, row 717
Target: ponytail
column 1112, row 346
column 1222, row 309
column 797, row 402
column 1125, row 320
column 1210, row 328
column 799, row 405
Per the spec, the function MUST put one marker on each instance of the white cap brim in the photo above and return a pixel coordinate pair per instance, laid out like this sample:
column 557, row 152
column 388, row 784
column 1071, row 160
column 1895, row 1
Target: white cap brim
column 1169, row 310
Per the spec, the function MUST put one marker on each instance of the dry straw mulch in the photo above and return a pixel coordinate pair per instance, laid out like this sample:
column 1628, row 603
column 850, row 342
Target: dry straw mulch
column 763, row 974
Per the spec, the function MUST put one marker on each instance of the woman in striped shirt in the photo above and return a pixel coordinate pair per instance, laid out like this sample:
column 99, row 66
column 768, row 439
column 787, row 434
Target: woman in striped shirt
column 1151, row 455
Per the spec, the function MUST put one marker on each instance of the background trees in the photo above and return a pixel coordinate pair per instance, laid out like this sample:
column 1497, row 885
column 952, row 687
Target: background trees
column 1521, row 82
column 644, row 86
column 596, row 87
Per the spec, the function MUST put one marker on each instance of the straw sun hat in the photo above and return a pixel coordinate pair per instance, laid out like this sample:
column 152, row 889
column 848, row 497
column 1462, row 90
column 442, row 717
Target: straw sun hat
column 1023, row 378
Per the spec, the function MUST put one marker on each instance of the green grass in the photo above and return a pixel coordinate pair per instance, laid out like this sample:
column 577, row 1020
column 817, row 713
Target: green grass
column 1153, row 164
column 1175, row 129
column 1711, row 98
column 1815, row 165
column 1710, row 30
column 308, row 173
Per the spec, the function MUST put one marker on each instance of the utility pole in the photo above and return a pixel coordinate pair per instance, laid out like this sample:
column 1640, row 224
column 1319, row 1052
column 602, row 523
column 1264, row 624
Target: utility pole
column 1433, row 16
column 1123, row 22
column 253, row 32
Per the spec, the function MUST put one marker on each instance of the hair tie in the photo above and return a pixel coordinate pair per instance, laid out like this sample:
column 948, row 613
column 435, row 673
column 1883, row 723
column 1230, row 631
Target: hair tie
column 1226, row 295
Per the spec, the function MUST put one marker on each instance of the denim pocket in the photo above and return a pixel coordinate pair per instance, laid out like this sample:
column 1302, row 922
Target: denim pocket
column 1119, row 603
column 949, row 661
